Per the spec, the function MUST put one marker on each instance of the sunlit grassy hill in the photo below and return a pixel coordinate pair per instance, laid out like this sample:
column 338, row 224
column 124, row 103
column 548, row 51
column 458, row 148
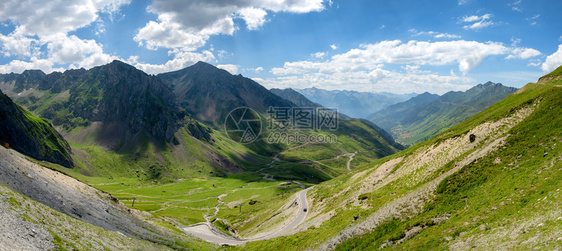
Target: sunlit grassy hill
column 491, row 182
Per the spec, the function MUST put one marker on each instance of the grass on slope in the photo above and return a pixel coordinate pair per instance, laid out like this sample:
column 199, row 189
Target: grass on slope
column 511, row 197
column 344, row 216
column 46, row 134
column 72, row 234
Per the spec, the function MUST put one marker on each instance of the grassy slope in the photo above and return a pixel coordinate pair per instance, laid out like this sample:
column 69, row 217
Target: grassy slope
column 180, row 182
column 506, row 198
column 184, row 175
column 72, row 234
column 424, row 121
column 43, row 141
column 476, row 182
column 187, row 200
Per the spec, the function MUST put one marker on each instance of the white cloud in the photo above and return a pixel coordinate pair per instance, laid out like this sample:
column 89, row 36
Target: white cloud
column 256, row 70
column 198, row 15
column 516, row 6
column 17, row 45
column 515, row 41
column 467, row 54
column 446, row 35
column 181, row 60
column 231, row 68
column 553, row 61
column 168, row 35
column 334, row 47
column 478, row 25
column 253, row 17
column 133, row 60
column 97, row 59
column 365, row 68
column 377, row 79
column 470, row 19
column 188, row 24
column 535, row 63
column 319, row 54
column 40, row 26
column 19, row 66
column 523, row 53
column 478, row 22
column 65, row 49
column 60, row 49
column 463, row 2
column 37, row 17
column 533, row 19
column 434, row 34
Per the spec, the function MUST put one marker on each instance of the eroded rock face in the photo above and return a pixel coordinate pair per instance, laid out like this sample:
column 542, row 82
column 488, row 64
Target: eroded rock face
column 139, row 101
column 124, row 98
column 31, row 135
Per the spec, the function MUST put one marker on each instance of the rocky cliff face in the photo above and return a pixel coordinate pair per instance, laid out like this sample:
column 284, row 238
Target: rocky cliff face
column 210, row 93
column 139, row 101
column 31, row 135
column 125, row 99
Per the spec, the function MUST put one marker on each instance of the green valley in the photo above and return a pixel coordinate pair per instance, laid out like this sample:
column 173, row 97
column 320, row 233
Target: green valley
column 281, row 125
column 158, row 157
column 181, row 168
column 499, row 190
column 423, row 117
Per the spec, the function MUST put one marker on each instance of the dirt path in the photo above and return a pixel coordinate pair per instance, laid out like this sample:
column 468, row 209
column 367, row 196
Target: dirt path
column 269, row 166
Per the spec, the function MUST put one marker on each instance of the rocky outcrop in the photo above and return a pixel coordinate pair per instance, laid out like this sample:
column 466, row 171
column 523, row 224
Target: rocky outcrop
column 31, row 135
column 210, row 93
column 118, row 95
column 135, row 99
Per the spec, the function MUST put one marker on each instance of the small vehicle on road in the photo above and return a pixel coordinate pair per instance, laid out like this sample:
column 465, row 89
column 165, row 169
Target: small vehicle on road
column 304, row 210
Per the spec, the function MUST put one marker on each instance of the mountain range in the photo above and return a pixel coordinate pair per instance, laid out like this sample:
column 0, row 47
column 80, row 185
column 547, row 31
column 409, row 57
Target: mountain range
column 295, row 97
column 117, row 98
column 141, row 117
column 210, row 93
column 427, row 115
column 352, row 103
column 489, row 182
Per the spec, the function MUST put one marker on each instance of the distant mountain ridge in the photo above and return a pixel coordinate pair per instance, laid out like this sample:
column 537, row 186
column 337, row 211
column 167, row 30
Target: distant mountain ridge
column 295, row 97
column 426, row 115
column 353, row 103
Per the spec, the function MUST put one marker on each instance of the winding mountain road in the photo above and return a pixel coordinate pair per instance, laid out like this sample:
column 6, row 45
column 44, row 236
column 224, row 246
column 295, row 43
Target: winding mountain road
column 349, row 161
column 207, row 232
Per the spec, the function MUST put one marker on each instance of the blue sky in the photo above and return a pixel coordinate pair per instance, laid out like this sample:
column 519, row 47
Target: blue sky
column 392, row 46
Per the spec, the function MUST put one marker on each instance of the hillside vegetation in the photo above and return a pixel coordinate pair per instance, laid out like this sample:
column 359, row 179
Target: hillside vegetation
column 491, row 182
column 425, row 116
column 172, row 159
column 31, row 135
